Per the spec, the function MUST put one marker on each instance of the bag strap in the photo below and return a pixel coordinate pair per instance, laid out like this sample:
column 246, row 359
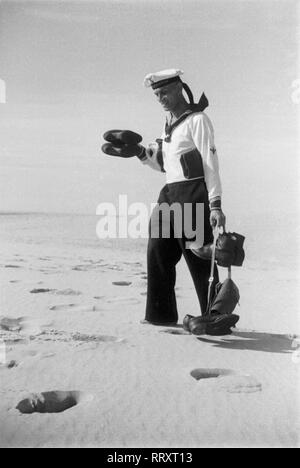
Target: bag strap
column 212, row 269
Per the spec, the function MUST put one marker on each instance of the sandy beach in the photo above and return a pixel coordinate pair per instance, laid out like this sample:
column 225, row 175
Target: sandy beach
column 70, row 320
column 77, row 366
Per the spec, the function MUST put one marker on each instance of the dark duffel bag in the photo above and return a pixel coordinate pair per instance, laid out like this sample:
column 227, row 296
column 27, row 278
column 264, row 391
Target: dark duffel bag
column 225, row 299
column 229, row 250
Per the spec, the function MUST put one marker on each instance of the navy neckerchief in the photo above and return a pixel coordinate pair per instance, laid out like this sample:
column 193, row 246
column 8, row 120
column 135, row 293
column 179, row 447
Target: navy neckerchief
column 200, row 107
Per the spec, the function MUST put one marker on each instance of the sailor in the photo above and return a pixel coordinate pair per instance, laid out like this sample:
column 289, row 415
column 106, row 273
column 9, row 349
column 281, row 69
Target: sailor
column 187, row 154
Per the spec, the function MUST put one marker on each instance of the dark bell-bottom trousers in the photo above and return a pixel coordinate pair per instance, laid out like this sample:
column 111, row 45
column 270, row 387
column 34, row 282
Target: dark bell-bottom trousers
column 165, row 252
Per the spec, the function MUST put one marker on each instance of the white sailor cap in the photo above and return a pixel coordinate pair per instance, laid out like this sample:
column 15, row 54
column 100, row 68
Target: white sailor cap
column 162, row 78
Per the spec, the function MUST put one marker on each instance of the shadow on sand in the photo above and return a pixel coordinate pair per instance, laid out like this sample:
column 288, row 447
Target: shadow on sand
column 254, row 341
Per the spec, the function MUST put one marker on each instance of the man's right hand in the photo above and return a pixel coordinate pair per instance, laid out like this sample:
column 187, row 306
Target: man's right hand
column 218, row 220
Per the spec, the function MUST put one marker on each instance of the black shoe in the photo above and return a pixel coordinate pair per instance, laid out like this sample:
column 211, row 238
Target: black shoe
column 186, row 322
column 212, row 324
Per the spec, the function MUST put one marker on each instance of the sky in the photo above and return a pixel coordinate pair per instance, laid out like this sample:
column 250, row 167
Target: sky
column 74, row 69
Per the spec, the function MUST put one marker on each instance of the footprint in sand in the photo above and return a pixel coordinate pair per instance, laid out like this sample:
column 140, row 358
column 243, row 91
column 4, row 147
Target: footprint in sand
column 96, row 338
column 241, row 384
column 123, row 300
column 68, row 292
column 174, row 331
column 200, row 374
column 63, row 292
column 114, row 267
column 41, row 290
column 52, row 402
column 10, row 365
column 47, row 355
column 74, row 339
column 76, row 308
column 121, row 283
column 80, row 268
column 23, row 325
column 227, row 380
column 10, row 324
column 139, row 264
column 63, row 307
column 49, row 271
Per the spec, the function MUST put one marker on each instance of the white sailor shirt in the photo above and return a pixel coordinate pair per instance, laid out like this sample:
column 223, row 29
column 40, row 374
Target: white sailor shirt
column 190, row 154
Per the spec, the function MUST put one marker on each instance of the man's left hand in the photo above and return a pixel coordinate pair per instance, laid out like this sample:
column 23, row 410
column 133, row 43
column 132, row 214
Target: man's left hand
column 218, row 219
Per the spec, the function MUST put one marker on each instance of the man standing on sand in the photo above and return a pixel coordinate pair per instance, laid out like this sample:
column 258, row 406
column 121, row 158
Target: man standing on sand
column 187, row 154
